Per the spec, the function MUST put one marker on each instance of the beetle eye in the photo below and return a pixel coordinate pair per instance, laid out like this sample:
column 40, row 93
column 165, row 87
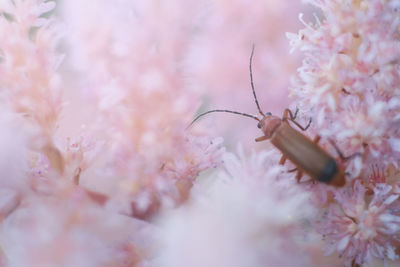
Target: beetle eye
column 268, row 114
column 259, row 125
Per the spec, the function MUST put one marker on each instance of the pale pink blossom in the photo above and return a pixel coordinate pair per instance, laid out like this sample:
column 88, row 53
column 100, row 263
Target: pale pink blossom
column 29, row 80
column 14, row 164
column 350, row 76
column 30, row 84
column 348, row 83
column 359, row 228
column 134, row 78
column 79, row 154
column 233, row 219
column 72, row 231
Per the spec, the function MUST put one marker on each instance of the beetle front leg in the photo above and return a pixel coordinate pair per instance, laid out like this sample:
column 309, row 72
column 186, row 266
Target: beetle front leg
column 282, row 160
column 261, row 138
column 299, row 175
column 288, row 115
column 302, row 127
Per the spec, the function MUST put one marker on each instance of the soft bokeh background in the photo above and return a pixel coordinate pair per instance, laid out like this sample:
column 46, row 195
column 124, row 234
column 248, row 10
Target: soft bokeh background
column 208, row 43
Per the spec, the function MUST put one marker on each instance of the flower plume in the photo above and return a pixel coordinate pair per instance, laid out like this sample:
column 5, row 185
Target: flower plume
column 228, row 218
column 350, row 75
column 348, row 83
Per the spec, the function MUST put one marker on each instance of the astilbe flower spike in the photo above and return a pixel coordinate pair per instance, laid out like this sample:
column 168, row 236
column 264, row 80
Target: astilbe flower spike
column 144, row 107
column 29, row 81
column 349, row 83
column 360, row 228
column 232, row 220
column 350, row 76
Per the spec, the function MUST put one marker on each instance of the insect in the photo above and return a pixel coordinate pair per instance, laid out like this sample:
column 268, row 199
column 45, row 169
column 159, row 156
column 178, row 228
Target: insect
column 303, row 152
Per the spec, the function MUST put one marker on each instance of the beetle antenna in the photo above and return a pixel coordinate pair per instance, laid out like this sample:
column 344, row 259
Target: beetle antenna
column 251, row 81
column 224, row 110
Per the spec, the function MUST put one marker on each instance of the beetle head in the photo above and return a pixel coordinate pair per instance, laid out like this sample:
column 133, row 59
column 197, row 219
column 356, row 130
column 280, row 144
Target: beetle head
column 269, row 123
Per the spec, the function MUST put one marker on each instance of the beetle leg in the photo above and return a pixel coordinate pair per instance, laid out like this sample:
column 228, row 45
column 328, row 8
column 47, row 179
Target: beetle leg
column 282, row 160
column 342, row 157
column 288, row 115
column 261, row 138
column 295, row 113
column 337, row 149
column 292, row 170
column 353, row 156
column 354, row 264
column 299, row 175
column 298, row 124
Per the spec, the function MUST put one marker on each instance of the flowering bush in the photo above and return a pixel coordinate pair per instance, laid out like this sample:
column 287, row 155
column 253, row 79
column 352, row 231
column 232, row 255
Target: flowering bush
column 100, row 168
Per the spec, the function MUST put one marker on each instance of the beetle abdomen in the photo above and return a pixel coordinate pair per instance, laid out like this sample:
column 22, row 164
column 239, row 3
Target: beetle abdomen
column 328, row 172
column 306, row 155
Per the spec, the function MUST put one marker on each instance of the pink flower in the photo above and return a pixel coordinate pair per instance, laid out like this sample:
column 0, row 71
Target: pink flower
column 232, row 219
column 350, row 75
column 14, row 152
column 135, row 81
column 30, row 83
column 79, row 154
column 29, row 63
column 360, row 228
column 376, row 177
column 70, row 230
column 348, row 82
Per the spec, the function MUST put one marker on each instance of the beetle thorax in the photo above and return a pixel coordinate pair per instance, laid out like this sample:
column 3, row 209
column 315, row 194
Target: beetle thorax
column 269, row 124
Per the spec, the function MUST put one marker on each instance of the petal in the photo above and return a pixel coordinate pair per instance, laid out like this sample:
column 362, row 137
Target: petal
column 343, row 243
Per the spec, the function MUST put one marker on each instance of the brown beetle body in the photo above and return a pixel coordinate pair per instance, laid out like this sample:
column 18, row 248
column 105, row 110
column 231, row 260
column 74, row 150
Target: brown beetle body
column 306, row 154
